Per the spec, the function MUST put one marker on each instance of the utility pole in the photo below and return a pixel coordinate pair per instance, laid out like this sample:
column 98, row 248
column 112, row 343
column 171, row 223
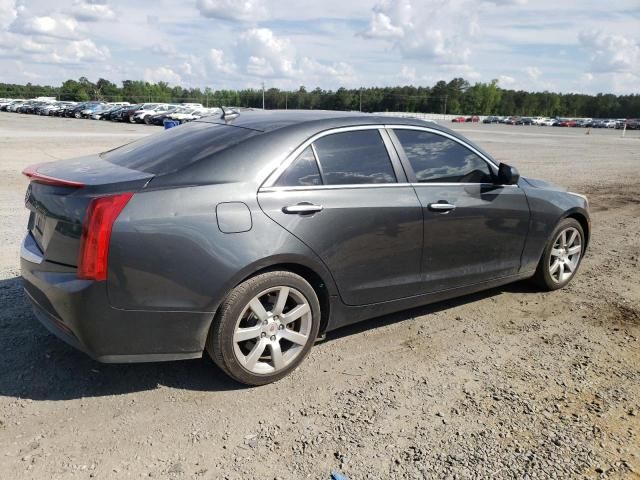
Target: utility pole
column 263, row 95
column 445, row 104
column 286, row 104
column 360, row 98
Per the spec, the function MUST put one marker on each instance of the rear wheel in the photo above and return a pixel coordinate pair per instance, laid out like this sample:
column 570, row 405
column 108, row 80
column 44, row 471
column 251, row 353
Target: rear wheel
column 265, row 327
column 562, row 256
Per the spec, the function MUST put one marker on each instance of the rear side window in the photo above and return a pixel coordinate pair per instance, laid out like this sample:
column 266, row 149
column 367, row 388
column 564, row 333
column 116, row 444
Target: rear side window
column 176, row 148
column 303, row 172
column 353, row 158
column 435, row 158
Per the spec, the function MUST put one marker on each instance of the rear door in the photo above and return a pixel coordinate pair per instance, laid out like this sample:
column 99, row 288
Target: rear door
column 474, row 229
column 345, row 195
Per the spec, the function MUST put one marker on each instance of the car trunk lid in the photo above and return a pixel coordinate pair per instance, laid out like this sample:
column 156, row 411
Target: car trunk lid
column 59, row 195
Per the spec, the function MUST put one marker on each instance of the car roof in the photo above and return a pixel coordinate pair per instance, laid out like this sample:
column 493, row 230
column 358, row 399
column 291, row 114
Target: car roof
column 271, row 120
column 297, row 125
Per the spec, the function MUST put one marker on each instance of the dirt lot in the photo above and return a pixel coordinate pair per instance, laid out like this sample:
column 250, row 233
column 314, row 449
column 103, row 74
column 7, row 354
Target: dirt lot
column 510, row 383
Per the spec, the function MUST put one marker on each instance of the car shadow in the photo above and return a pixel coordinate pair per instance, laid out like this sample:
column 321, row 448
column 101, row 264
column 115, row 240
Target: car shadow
column 36, row 365
column 378, row 322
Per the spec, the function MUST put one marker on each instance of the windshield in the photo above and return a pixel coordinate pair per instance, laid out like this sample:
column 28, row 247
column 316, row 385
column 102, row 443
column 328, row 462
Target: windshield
column 177, row 148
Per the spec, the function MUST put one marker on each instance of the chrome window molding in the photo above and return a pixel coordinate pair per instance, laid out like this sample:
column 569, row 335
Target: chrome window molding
column 333, row 187
column 376, row 185
column 268, row 184
column 443, row 134
column 273, row 177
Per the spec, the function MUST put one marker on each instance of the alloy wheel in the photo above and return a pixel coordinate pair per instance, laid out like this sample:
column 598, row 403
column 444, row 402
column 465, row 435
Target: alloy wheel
column 272, row 330
column 565, row 255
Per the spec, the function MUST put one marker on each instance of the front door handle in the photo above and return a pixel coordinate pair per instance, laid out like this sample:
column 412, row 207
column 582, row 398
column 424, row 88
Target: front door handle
column 441, row 207
column 302, row 208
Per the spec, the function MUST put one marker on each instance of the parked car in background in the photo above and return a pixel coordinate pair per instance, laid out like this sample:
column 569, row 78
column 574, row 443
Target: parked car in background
column 524, row 121
column 633, row 124
column 459, row 119
column 190, row 114
column 473, row 119
column 160, row 110
column 159, row 118
column 491, row 119
column 566, row 122
column 124, row 114
column 146, row 110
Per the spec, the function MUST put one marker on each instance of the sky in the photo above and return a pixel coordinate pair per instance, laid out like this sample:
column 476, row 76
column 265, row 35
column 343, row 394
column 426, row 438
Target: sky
column 565, row 46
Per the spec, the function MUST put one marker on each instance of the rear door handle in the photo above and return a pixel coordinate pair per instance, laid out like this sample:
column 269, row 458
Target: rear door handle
column 441, row 207
column 302, row 208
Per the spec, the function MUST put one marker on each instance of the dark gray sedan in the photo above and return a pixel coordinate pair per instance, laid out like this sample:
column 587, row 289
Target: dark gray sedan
column 252, row 234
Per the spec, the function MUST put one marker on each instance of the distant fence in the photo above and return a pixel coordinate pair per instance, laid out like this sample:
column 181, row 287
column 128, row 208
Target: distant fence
column 427, row 116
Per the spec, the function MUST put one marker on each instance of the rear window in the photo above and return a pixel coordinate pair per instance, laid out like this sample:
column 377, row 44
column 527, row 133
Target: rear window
column 177, row 148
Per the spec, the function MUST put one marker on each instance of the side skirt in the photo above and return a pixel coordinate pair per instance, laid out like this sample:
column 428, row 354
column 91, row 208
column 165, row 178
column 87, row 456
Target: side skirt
column 343, row 315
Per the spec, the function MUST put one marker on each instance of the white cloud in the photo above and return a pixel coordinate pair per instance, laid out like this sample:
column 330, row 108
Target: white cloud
column 219, row 62
column 54, row 25
column 533, row 72
column 428, row 30
column 506, row 81
column 81, row 51
column 8, row 12
column 407, row 74
column 381, row 26
column 611, row 52
column 242, row 10
column 162, row 74
column 265, row 54
column 91, row 11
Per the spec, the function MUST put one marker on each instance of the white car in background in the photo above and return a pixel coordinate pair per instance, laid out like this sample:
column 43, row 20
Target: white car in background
column 147, row 109
column 189, row 114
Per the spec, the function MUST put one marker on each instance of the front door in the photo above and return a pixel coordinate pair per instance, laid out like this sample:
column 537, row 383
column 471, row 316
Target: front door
column 474, row 230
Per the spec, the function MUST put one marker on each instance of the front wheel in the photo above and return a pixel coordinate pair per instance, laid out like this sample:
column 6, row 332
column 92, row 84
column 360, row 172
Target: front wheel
column 265, row 327
column 562, row 256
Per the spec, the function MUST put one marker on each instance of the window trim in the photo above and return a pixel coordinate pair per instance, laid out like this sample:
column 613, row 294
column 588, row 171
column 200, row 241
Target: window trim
column 318, row 166
column 398, row 169
column 404, row 173
column 411, row 175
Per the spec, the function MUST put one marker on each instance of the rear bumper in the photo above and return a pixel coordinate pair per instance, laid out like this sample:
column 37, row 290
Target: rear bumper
column 78, row 312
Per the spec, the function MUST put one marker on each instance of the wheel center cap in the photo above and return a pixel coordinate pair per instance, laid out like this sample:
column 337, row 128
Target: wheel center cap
column 272, row 328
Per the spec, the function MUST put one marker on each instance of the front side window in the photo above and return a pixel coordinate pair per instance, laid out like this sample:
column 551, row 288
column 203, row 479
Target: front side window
column 354, row 157
column 435, row 158
column 302, row 172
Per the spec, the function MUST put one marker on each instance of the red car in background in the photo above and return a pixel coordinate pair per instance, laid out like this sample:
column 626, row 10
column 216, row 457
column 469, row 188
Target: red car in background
column 473, row 118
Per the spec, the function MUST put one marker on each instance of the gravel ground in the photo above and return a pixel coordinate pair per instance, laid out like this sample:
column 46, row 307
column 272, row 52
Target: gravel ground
column 509, row 383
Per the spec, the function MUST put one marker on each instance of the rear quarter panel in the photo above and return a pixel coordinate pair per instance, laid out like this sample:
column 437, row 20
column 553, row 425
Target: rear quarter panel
column 168, row 253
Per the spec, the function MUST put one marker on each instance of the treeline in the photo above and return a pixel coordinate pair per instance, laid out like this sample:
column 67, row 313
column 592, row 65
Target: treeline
column 456, row 96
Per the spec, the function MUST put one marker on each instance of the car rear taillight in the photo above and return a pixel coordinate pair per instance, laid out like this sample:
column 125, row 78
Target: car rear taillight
column 96, row 234
column 32, row 173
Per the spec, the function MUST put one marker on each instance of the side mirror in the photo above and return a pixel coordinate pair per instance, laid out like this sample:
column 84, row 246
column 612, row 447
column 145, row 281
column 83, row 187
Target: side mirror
column 508, row 175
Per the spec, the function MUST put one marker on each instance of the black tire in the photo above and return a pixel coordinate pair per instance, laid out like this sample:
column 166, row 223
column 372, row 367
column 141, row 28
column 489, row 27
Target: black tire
column 543, row 277
column 220, row 342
